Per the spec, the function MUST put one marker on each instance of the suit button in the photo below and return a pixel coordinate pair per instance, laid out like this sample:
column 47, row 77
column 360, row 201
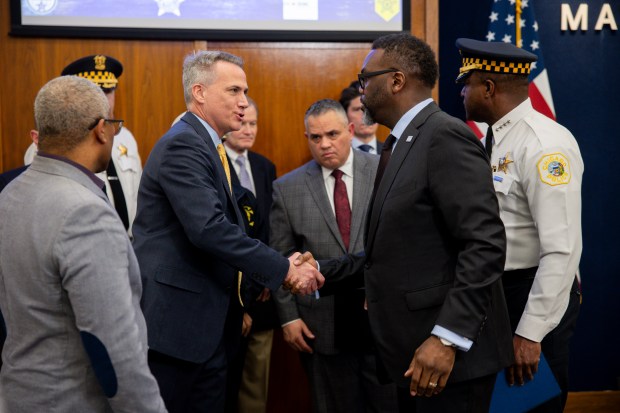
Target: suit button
column 367, row 265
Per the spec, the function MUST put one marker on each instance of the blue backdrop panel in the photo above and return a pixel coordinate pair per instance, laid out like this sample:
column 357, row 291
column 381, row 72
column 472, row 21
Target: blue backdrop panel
column 583, row 69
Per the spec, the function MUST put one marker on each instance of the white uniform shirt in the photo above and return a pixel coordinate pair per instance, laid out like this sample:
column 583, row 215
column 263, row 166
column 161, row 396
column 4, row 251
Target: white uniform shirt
column 128, row 166
column 537, row 173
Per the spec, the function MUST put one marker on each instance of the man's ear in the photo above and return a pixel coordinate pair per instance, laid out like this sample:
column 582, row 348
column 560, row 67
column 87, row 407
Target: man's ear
column 100, row 133
column 397, row 81
column 198, row 92
column 489, row 87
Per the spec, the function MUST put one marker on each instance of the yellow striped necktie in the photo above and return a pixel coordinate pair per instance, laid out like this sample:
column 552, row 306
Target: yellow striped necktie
column 222, row 152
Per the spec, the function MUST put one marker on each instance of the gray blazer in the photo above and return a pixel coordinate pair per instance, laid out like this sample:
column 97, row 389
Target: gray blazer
column 303, row 220
column 69, row 291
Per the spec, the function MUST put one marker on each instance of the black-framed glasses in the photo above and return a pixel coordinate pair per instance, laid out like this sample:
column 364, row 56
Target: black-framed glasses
column 117, row 123
column 362, row 77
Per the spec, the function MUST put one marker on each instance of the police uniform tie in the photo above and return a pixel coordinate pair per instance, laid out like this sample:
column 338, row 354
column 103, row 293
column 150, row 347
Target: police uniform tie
column 365, row 148
column 342, row 208
column 222, row 152
column 488, row 142
column 117, row 193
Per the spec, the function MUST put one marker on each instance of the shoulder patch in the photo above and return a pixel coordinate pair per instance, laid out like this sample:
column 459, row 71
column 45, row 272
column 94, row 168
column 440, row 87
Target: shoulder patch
column 554, row 169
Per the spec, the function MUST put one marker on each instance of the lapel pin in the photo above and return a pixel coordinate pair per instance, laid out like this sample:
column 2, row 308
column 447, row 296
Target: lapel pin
column 409, row 138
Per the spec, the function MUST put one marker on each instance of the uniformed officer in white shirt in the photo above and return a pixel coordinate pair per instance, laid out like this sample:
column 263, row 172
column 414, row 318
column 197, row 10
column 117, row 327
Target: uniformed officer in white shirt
column 122, row 177
column 537, row 172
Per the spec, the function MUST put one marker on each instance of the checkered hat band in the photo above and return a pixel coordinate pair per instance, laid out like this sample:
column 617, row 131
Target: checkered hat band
column 494, row 66
column 102, row 79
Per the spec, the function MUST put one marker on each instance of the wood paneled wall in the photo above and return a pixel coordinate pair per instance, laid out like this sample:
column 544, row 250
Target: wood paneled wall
column 284, row 78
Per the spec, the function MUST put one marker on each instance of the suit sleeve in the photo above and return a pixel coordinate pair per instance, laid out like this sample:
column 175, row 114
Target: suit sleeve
column 343, row 274
column 461, row 186
column 92, row 254
column 192, row 184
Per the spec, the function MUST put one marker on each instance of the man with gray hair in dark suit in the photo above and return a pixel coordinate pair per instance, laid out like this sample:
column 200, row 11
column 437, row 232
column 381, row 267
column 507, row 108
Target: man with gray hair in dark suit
column 191, row 244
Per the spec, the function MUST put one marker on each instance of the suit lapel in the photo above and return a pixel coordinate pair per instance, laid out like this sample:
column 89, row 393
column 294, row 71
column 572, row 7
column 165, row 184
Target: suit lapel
column 403, row 146
column 362, row 185
column 314, row 180
column 193, row 121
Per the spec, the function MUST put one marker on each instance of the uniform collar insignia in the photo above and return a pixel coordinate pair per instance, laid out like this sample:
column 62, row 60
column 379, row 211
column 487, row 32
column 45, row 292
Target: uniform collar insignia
column 503, row 125
column 123, row 150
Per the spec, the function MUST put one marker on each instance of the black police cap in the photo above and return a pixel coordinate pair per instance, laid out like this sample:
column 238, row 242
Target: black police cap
column 100, row 69
column 494, row 57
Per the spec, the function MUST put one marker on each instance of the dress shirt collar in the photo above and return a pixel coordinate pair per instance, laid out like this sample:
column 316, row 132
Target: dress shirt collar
column 216, row 139
column 406, row 119
column 233, row 155
column 503, row 126
column 347, row 168
column 88, row 173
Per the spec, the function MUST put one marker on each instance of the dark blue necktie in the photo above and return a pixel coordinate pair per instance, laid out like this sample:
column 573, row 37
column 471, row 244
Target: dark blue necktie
column 365, row 148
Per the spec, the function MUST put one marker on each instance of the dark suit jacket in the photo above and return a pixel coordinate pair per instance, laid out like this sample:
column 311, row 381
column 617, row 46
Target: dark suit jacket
column 190, row 243
column 263, row 314
column 8, row 176
column 264, row 173
column 434, row 250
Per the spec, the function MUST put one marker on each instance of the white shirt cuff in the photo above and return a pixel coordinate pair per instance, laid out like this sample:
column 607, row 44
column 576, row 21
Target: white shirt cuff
column 462, row 343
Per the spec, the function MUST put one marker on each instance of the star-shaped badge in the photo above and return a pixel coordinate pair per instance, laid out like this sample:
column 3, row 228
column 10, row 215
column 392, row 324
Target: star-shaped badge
column 169, row 6
column 503, row 163
column 123, row 150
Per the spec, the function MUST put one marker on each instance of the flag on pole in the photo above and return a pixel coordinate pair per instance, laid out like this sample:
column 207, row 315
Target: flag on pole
column 513, row 21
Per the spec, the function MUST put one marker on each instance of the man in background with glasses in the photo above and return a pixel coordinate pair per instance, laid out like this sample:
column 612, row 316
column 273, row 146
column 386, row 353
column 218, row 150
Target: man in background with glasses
column 122, row 176
column 70, row 280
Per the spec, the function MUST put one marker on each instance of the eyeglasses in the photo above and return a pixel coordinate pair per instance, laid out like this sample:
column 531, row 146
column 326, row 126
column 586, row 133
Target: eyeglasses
column 362, row 77
column 118, row 124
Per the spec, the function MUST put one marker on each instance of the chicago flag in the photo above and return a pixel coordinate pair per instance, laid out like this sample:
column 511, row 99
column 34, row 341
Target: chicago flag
column 503, row 28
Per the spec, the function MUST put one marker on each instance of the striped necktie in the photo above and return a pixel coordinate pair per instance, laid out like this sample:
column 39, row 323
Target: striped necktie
column 222, row 152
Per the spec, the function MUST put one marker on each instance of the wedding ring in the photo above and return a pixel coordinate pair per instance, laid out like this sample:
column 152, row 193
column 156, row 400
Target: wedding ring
column 432, row 385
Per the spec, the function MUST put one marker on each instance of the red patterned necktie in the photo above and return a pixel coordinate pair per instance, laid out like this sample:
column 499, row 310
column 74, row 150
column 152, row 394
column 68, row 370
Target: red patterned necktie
column 342, row 207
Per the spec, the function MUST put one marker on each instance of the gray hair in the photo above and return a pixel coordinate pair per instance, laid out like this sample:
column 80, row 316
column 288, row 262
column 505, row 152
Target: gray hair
column 323, row 106
column 409, row 54
column 64, row 110
column 198, row 68
column 251, row 102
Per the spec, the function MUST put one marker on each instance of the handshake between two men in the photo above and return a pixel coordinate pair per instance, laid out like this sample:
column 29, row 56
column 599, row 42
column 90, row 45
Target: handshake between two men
column 303, row 276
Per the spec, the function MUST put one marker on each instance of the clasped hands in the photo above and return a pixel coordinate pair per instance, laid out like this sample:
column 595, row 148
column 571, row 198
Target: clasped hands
column 303, row 277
